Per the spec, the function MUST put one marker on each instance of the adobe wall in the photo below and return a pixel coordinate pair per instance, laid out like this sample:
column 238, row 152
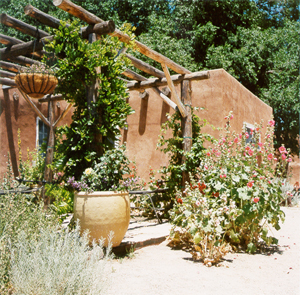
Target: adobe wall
column 218, row 95
column 15, row 113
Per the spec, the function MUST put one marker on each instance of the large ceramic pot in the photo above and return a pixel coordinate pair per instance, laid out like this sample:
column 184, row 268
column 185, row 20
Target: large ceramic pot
column 103, row 212
column 36, row 85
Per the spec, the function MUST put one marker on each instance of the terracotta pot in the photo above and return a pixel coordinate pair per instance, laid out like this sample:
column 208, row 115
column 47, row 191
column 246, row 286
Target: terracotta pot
column 103, row 212
column 36, row 85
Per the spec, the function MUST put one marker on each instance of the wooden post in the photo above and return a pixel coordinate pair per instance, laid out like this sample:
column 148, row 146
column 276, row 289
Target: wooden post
column 48, row 175
column 186, row 123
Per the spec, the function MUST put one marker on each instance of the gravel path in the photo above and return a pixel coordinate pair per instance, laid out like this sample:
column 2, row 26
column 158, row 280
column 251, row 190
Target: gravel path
column 159, row 270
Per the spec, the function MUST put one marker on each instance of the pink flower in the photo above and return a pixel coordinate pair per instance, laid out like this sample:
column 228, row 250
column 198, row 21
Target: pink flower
column 236, row 140
column 224, row 140
column 223, row 176
column 205, row 166
column 197, row 203
column 256, row 200
column 240, row 135
column 268, row 136
column 270, row 157
column 247, row 148
column 257, row 129
column 271, row 123
column 251, row 131
column 282, row 150
column 208, row 154
column 247, row 135
column 260, row 144
column 250, row 152
column 289, row 159
column 250, row 184
column 231, row 117
column 261, row 177
column 275, row 159
column 283, row 156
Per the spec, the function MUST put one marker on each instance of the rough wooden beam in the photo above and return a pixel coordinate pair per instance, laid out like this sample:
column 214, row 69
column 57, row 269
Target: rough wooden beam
column 21, row 26
column 181, row 107
column 8, row 82
column 186, row 124
column 51, row 98
column 90, row 18
column 5, row 74
column 64, row 113
column 24, row 48
column 7, row 40
column 132, row 75
column 10, row 66
column 42, row 17
column 143, row 66
column 23, row 60
column 99, row 29
column 34, row 108
column 163, row 82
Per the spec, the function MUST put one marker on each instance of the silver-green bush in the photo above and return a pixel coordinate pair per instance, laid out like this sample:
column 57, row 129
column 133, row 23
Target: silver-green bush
column 58, row 263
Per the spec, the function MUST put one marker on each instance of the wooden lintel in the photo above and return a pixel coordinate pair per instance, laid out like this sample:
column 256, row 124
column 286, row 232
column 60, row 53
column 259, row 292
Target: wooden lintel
column 21, row 26
column 8, row 82
column 181, row 107
column 34, row 108
column 90, row 18
column 132, row 85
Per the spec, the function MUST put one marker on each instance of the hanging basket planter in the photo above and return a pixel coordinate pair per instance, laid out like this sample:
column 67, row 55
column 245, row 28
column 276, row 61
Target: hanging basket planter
column 36, row 85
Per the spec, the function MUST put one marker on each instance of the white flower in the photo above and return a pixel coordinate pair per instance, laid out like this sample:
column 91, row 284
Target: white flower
column 88, row 171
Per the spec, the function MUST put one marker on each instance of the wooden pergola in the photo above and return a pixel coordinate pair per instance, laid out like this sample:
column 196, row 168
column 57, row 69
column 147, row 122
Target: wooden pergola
column 15, row 56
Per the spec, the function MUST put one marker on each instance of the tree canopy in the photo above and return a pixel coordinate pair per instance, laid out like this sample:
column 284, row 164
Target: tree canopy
column 255, row 41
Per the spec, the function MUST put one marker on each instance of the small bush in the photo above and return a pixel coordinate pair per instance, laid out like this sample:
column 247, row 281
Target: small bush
column 232, row 198
column 58, row 263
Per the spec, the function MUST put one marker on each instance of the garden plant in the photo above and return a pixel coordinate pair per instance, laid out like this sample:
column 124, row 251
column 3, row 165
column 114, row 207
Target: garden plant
column 233, row 198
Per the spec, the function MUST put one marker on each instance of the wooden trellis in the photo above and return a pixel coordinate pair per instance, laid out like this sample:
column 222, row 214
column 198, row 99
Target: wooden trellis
column 14, row 56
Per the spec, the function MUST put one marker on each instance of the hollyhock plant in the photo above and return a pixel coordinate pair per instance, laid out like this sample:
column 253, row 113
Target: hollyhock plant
column 247, row 190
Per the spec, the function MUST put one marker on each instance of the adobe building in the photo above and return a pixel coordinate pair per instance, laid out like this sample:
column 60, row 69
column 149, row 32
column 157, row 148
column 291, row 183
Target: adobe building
column 218, row 95
column 216, row 91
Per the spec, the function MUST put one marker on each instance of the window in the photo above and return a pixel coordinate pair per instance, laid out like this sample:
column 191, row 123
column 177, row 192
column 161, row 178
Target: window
column 41, row 132
column 248, row 129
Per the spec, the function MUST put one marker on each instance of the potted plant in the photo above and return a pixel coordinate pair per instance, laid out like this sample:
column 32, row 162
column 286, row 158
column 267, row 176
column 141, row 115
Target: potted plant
column 37, row 80
column 101, row 202
column 85, row 150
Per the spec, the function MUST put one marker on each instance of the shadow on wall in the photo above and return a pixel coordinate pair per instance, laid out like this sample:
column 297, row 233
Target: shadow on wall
column 143, row 112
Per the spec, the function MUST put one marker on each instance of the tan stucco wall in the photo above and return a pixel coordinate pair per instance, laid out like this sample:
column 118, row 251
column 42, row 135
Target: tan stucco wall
column 17, row 114
column 218, row 95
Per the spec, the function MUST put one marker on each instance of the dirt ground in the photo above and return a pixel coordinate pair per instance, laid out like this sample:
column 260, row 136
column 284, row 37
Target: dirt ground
column 159, row 270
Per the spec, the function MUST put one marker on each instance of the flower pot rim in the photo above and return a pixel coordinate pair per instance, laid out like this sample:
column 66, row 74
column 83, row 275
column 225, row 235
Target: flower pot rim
column 102, row 193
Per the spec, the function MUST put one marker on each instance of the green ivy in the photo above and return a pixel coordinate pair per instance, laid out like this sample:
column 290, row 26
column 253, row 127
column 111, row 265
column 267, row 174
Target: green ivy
column 96, row 125
column 173, row 146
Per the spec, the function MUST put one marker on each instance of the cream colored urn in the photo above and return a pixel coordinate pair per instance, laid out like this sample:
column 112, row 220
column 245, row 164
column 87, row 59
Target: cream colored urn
column 102, row 212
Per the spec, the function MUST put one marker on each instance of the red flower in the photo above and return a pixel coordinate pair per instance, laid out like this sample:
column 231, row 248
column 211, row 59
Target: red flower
column 256, row 200
column 179, row 200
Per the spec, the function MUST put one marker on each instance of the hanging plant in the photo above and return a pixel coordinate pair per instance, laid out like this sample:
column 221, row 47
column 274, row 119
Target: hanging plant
column 36, row 81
